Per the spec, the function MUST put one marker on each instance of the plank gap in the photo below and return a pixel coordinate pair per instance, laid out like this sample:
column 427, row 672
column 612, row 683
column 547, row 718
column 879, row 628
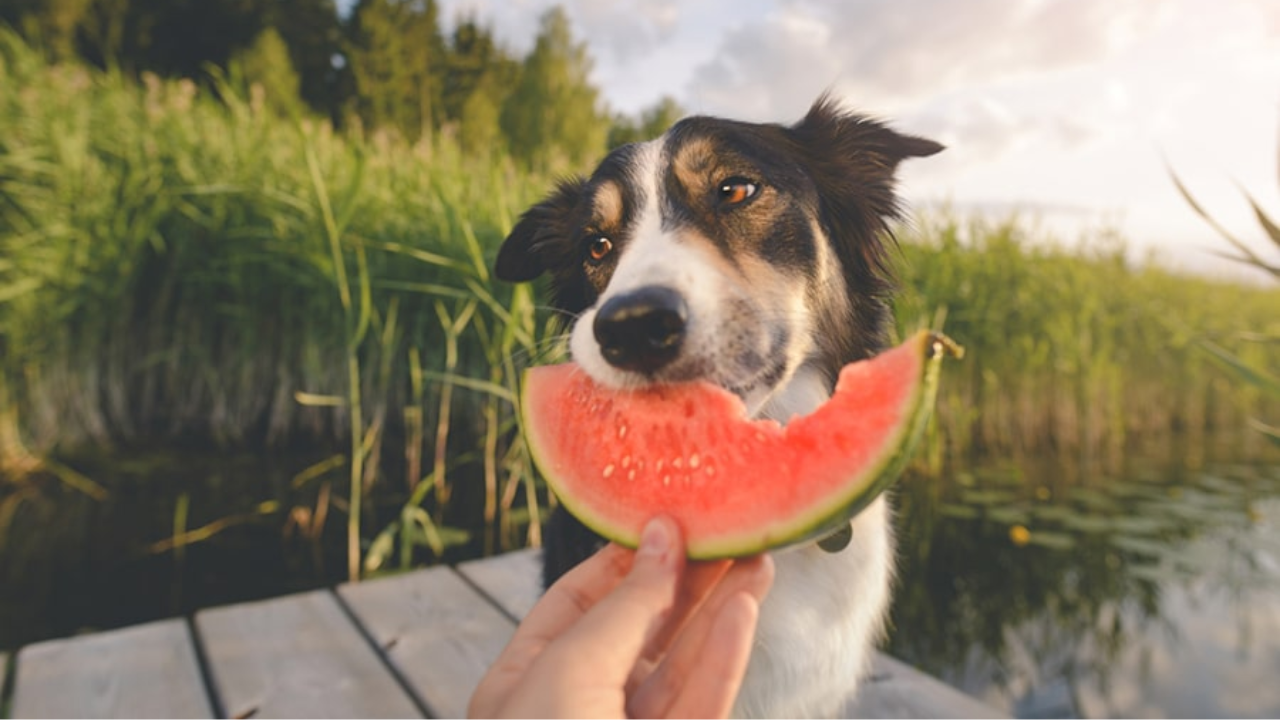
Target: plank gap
column 435, row 629
column 6, row 685
column 298, row 656
column 114, row 673
column 496, row 602
column 206, row 672
column 383, row 656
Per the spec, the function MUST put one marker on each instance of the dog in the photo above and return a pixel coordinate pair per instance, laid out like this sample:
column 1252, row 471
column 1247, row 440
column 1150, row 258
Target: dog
column 754, row 256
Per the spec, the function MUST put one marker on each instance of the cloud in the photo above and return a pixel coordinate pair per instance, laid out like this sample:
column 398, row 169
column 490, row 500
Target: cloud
column 615, row 31
column 892, row 54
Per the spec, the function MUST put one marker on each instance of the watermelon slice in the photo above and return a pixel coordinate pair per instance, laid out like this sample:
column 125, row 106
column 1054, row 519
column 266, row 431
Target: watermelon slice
column 736, row 486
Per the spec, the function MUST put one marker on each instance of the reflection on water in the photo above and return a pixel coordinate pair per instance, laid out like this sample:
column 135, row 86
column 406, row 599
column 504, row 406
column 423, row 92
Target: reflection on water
column 1044, row 590
column 1069, row 593
column 69, row 563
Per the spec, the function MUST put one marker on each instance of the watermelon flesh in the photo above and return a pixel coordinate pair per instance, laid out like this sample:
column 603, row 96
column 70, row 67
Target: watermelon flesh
column 736, row 486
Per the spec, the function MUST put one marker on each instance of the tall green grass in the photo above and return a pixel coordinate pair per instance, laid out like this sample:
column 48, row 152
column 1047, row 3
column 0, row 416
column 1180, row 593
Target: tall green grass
column 177, row 267
column 1255, row 375
column 1077, row 351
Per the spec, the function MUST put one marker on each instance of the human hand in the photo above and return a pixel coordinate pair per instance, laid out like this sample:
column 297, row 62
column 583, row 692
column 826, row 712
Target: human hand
column 632, row 633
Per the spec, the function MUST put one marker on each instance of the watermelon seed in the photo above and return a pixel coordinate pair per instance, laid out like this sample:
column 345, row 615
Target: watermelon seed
column 608, row 470
column 626, row 461
column 711, row 470
column 622, row 431
column 631, row 475
column 694, row 460
column 666, row 479
column 658, row 467
column 677, row 463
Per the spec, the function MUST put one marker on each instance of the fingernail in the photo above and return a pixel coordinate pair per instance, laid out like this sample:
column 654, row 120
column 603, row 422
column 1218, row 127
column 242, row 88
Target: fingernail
column 656, row 538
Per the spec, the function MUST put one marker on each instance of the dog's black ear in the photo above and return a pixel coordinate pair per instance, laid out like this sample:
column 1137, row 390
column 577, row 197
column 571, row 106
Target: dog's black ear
column 852, row 160
column 842, row 135
column 541, row 233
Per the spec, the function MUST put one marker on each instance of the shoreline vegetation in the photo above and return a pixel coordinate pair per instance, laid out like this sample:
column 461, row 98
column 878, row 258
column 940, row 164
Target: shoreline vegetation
column 184, row 266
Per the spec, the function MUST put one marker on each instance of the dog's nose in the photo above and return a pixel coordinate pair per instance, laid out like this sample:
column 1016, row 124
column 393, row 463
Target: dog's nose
column 641, row 330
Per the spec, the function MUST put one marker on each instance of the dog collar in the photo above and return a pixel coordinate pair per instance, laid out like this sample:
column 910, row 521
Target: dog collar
column 838, row 540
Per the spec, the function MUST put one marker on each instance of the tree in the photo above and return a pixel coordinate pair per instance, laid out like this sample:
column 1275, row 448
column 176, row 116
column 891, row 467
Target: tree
column 313, row 33
column 266, row 65
column 653, row 121
column 51, row 24
column 479, row 75
column 184, row 37
column 552, row 116
column 395, row 54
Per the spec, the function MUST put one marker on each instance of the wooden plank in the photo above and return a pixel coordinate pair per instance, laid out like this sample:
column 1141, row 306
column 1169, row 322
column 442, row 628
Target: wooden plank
column 893, row 690
column 897, row 690
column 513, row 580
column 297, row 656
column 144, row 671
column 439, row 633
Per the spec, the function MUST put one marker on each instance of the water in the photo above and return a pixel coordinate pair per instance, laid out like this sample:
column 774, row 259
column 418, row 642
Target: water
column 1150, row 594
column 1045, row 590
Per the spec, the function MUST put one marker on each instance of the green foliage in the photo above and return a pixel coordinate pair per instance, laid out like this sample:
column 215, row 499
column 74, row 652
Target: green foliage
column 395, row 54
column 479, row 77
column 652, row 122
column 176, row 267
column 384, row 68
column 552, row 116
column 54, row 22
column 1071, row 350
column 313, row 33
column 265, row 70
column 1269, row 333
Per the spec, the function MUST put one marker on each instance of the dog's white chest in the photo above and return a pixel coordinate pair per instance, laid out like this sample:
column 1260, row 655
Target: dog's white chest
column 820, row 623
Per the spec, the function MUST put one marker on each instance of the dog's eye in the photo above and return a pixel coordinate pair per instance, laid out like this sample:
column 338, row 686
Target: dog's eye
column 600, row 248
column 737, row 189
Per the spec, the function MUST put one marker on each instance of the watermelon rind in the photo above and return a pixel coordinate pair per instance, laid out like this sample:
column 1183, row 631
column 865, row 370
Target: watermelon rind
column 819, row 520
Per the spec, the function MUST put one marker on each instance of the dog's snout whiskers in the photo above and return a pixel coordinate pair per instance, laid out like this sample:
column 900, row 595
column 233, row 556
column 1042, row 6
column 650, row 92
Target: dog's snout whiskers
column 642, row 330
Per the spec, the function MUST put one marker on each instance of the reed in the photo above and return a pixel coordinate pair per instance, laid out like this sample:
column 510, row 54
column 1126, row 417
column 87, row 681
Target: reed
column 1073, row 350
column 178, row 266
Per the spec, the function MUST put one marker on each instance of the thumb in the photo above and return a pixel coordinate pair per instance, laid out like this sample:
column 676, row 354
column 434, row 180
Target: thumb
column 615, row 631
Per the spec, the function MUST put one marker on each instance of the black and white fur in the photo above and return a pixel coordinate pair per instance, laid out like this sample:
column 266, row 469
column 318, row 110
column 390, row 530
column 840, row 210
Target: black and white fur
column 752, row 256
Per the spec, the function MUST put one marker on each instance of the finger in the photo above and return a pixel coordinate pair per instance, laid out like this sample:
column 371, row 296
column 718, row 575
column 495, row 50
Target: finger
column 672, row 676
column 696, row 584
column 577, row 591
column 567, row 600
column 611, row 636
column 711, row 688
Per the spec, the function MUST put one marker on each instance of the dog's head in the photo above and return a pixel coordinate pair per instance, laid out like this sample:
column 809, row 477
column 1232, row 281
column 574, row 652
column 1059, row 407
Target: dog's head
column 731, row 252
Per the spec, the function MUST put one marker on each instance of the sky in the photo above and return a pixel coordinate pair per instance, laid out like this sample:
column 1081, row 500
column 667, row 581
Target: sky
column 1071, row 112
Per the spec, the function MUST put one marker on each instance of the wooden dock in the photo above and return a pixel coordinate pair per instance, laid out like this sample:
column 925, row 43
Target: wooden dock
column 412, row 645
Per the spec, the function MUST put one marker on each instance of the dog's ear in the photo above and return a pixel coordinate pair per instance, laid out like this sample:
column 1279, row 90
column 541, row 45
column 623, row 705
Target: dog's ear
column 852, row 160
column 542, row 233
column 845, row 137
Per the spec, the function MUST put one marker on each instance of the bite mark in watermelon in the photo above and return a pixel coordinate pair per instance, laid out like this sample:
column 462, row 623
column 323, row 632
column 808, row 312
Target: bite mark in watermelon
column 736, row 486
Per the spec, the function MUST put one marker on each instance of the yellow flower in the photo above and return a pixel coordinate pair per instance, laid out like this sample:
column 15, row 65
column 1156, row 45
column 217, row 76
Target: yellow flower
column 1020, row 535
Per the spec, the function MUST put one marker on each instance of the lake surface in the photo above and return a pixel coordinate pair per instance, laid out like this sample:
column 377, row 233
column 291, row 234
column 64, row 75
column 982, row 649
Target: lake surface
column 1151, row 593
column 1044, row 589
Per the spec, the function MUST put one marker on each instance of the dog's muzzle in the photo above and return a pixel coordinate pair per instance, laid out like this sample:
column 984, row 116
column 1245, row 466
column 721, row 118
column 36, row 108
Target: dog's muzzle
column 641, row 330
